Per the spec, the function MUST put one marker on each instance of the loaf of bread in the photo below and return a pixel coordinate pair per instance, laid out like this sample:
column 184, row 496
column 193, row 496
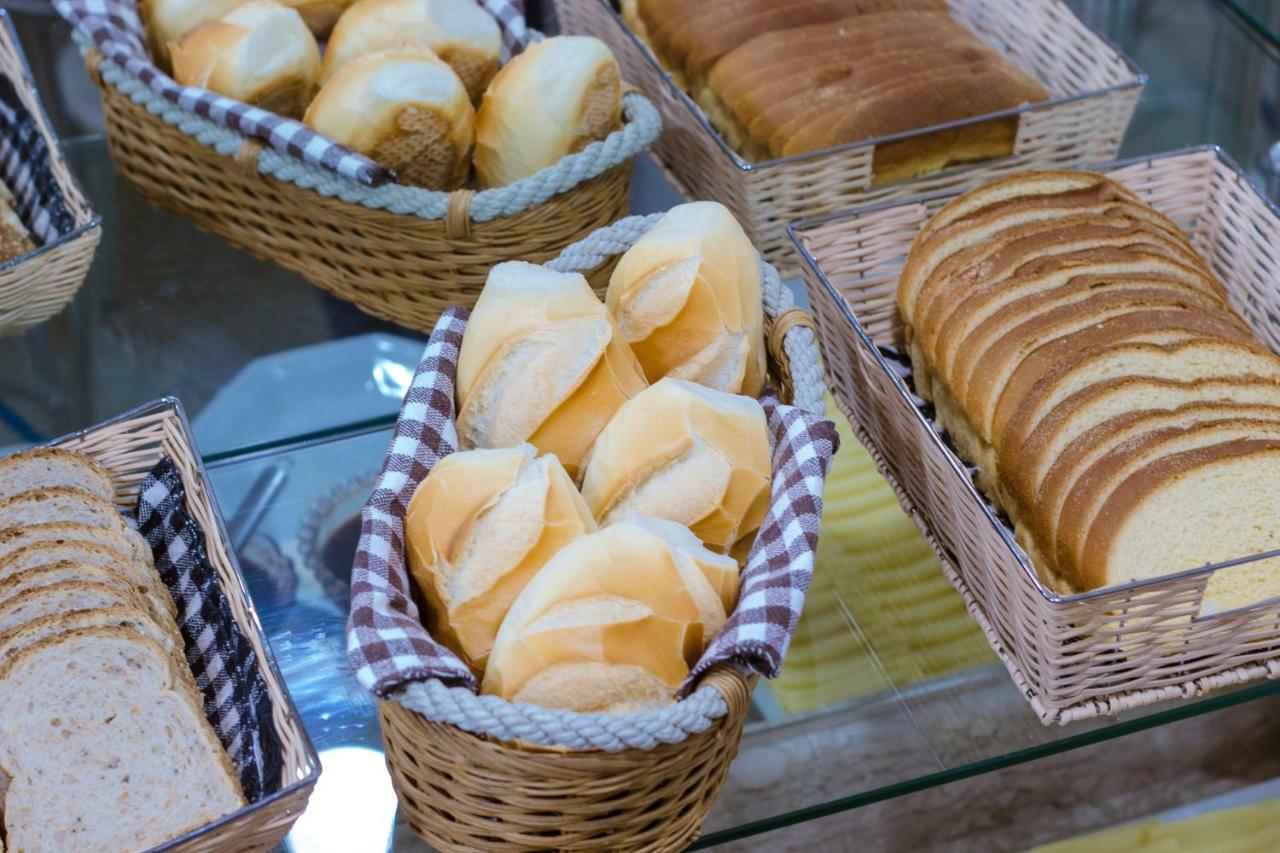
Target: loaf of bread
column 688, row 454
column 783, row 79
column 169, row 20
column 686, row 297
column 1079, row 351
column 541, row 362
column 553, row 99
column 405, row 109
column 260, row 52
column 458, row 31
column 614, row 621
column 15, row 239
column 319, row 15
column 478, row 528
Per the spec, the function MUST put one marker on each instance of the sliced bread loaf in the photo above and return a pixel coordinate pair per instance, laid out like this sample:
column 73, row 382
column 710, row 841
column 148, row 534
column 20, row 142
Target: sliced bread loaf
column 104, row 711
column 1011, row 188
column 19, row 638
column 43, row 467
column 66, row 570
column 143, row 578
column 130, row 547
column 61, row 504
column 63, row 598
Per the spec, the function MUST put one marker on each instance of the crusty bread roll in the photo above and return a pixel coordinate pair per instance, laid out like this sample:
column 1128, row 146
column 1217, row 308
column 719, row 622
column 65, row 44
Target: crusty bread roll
column 542, row 362
column 169, row 20
column 689, row 454
column 260, row 53
column 458, row 31
column 614, row 621
column 15, row 240
column 553, row 99
column 406, row 110
column 319, row 15
column 686, row 297
column 477, row 529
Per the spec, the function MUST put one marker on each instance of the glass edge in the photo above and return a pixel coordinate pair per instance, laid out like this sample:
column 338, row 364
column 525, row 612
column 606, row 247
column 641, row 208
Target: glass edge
column 1251, row 22
column 340, row 432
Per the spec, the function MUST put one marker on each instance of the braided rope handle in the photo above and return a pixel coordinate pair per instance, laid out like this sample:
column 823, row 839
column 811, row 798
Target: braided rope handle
column 640, row 128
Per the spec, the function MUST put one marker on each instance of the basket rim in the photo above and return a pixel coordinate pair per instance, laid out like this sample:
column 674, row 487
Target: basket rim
column 55, row 143
column 958, row 466
column 172, row 404
column 736, row 160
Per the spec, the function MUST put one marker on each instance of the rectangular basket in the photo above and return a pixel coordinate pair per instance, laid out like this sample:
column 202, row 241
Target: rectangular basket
column 128, row 446
column 1073, row 656
column 39, row 284
column 1094, row 90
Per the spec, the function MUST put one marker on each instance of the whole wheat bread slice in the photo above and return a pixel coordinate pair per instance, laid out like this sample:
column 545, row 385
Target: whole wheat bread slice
column 144, row 578
column 108, row 705
column 66, row 570
column 106, row 617
column 43, row 467
column 63, row 598
column 130, row 547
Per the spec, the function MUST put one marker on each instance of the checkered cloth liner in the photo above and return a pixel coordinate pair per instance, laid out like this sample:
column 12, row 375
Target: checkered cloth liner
column 900, row 363
column 386, row 642
column 115, row 28
column 223, row 662
column 24, row 166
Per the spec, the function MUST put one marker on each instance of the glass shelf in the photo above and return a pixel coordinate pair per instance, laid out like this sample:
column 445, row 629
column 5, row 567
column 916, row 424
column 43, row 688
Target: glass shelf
column 888, row 688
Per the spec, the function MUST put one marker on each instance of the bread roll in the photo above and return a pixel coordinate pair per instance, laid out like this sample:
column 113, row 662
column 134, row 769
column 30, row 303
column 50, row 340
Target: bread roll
column 319, row 15
column 477, row 529
column 169, row 20
column 613, row 622
column 15, row 240
column 553, row 99
column 260, row 53
column 458, row 31
column 406, row 110
column 686, row 297
column 542, row 362
column 683, row 452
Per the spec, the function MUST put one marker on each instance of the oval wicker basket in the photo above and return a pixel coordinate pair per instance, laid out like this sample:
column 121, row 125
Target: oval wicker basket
column 461, row 791
column 405, row 267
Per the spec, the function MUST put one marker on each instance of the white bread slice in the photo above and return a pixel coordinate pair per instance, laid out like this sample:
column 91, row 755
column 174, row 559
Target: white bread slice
column 17, row 639
column 686, row 297
column 477, row 529
column 143, row 578
column 542, row 362
column 1011, row 188
column 1098, row 482
column 129, row 547
column 107, row 746
column 689, row 454
column 1191, row 509
column 63, row 598
column 636, row 602
column 42, row 467
column 1188, row 361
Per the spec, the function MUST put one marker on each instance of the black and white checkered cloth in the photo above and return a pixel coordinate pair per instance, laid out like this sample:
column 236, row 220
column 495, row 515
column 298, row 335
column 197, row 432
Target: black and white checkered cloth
column 386, row 642
column 115, row 28
column 223, row 662
column 25, row 168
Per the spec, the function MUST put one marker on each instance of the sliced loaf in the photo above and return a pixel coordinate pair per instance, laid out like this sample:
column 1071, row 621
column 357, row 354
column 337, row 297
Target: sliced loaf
column 143, row 578
column 63, row 598
column 43, row 467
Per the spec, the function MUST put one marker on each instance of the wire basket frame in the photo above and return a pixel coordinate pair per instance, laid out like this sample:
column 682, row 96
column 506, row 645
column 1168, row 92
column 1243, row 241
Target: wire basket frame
column 1073, row 656
column 128, row 446
column 1094, row 89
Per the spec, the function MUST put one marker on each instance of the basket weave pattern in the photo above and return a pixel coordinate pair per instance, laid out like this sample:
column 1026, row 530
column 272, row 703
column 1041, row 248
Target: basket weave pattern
column 35, row 289
column 1072, row 656
column 129, row 447
column 396, row 266
column 1043, row 37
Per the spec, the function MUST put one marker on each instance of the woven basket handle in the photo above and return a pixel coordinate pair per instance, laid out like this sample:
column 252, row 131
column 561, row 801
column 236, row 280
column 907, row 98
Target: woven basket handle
column 93, row 65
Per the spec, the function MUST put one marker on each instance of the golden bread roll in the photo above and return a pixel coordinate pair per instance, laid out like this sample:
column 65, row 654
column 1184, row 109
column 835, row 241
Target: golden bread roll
column 477, row 530
column 688, row 454
column 169, row 20
column 260, row 53
column 613, row 622
column 319, row 15
column 458, row 31
column 555, row 98
column 406, row 110
column 15, row 240
column 687, row 299
column 542, row 362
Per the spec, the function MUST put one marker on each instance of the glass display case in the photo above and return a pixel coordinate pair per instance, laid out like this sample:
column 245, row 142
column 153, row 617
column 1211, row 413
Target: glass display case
column 889, row 687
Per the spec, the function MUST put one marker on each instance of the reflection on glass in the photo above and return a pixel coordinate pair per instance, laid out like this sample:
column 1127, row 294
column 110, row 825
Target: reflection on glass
column 353, row 807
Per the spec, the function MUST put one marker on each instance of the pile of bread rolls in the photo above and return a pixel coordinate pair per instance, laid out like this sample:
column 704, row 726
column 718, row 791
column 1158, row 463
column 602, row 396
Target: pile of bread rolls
column 583, row 547
column 412, row 84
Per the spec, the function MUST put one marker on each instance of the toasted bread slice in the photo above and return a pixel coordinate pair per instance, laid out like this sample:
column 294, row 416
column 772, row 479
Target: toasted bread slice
column 143, row 578
column 42, row 467
column 110, row 703
column 1191, row 509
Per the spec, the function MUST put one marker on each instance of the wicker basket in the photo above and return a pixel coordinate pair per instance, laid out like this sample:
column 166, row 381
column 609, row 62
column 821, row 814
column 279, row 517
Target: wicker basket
column 406, row 267
column 129, row 446
column 462, row 792
column 1073, row 656
column 39, row 284
column 1094, row 90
